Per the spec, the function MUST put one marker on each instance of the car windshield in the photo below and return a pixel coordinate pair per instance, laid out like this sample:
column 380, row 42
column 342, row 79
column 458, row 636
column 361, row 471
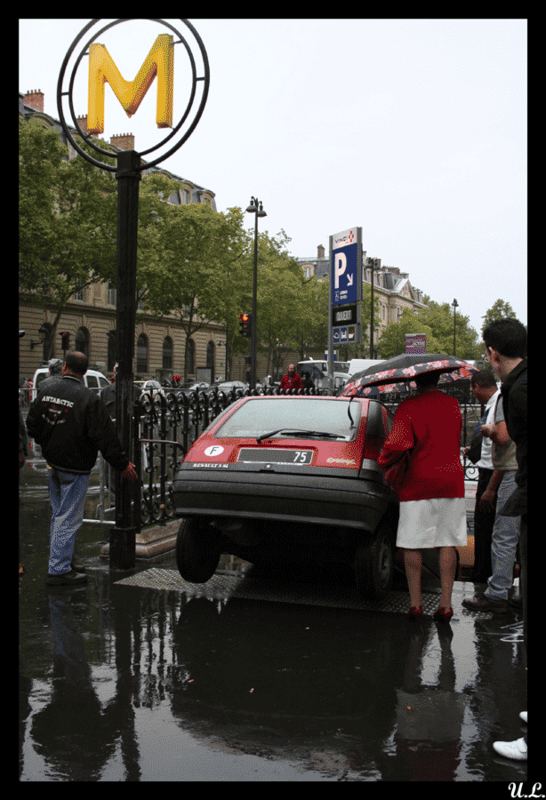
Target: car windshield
column 152, row 385
column 256, row 417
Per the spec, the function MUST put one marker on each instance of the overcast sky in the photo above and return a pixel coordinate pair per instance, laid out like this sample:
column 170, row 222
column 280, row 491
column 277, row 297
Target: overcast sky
column 415, row 130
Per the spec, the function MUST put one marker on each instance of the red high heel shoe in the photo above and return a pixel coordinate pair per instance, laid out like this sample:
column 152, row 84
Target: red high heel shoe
column 443, row 614
column 415, row 612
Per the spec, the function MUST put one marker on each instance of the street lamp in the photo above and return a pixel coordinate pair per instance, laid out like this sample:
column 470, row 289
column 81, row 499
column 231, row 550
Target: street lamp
column 455, row 306
column 256, row 208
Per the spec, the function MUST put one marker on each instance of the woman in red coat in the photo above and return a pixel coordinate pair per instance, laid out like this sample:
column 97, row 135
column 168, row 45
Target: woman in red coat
column 427, row 430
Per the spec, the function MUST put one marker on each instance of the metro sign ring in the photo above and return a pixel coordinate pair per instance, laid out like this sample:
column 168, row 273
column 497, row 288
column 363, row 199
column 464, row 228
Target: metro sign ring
column 157, row 65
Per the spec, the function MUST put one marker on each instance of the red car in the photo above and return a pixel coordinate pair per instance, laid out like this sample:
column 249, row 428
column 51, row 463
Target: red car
column 289, row 480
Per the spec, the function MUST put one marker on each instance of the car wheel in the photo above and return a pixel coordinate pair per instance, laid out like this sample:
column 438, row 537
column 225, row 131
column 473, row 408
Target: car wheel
column 374, row 566
column 197, row 551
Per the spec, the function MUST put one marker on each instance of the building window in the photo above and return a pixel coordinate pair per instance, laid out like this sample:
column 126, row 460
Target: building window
column 184, row 196
column 190, row 357
column 112, row 349
column 112, row 294
column 82, row 341
column 167, row 353
column 78, row 295
column 142, row 354
column 211, row 357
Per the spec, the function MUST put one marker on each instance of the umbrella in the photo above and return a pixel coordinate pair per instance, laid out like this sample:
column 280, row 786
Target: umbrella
column 406, row 366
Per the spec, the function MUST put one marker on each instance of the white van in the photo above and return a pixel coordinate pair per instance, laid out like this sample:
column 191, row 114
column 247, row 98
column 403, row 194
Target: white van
column 93, row 379
column 360, row 364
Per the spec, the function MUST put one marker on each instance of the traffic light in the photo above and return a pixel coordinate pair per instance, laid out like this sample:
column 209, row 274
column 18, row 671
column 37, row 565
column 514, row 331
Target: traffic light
column 65, row 340
column 245, row 322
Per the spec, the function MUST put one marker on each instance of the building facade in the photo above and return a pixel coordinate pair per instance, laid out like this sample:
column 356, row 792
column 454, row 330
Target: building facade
column 90, row 316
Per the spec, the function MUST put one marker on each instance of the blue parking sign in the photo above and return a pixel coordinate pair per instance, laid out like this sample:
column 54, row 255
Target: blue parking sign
column 346, row 268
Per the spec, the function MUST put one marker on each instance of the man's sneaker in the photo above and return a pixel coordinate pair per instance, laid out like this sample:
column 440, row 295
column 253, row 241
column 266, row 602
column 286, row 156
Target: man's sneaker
column 516, row 749
column 482, row 603
column 523, row 716
column 67, row 579
column 77, row 566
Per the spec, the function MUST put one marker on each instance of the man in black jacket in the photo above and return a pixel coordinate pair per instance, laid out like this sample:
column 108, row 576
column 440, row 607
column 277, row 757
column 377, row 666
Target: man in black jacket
column 71, row 425
column 506, row 343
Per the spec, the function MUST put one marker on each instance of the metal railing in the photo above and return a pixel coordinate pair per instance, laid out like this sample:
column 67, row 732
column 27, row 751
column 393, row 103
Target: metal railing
column 166, row 423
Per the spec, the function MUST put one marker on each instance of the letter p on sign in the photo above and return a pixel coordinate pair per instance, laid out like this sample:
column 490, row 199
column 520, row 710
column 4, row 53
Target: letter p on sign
column 340, row 265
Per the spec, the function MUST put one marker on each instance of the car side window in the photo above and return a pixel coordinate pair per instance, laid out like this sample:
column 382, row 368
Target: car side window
column 103, row 382
column 92, row 382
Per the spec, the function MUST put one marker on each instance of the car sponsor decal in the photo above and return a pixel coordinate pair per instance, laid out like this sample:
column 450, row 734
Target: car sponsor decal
column 350, row 462
column 201, row 465
column 214, row 450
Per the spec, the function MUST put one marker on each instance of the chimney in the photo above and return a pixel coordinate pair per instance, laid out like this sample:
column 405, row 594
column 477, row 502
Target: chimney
column 123, row 141
column 34, row 99
column 320, row 251
column 82, row 122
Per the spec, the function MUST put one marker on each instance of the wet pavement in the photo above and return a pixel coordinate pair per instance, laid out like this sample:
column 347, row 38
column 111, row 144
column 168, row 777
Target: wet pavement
column 138, row 676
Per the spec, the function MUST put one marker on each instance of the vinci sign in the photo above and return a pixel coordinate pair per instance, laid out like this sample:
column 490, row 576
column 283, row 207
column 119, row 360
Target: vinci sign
column 159, row 62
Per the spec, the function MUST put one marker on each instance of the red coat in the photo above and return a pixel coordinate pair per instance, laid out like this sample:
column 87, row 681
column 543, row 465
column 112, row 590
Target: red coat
column 293, row 382
column 430, row 423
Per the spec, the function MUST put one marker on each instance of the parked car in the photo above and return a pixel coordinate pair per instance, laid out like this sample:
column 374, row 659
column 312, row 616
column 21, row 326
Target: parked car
column 229, row 386
column 93, row 379
column 288, row 479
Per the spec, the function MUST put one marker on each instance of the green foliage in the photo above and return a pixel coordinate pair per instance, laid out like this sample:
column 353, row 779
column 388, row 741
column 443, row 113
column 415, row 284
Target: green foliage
column 67, row 229
column 437, row 322
column 499, row 310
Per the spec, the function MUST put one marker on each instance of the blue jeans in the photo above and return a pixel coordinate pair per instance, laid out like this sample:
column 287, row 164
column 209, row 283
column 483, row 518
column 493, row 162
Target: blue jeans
column 67, row 492
column 504, row 542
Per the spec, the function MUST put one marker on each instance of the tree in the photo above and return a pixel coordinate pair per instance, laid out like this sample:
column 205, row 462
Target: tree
column 499, row 310
column 194, row 277
column 67, row 220
column 437, row 322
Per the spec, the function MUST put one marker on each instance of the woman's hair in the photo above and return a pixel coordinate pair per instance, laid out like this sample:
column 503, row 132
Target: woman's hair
column 427, row 379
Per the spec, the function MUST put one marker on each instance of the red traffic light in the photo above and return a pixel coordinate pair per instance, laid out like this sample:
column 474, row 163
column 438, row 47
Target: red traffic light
column 244, row 323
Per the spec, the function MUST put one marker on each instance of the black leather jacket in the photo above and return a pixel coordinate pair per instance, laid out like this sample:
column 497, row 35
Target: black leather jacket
column 71, row 425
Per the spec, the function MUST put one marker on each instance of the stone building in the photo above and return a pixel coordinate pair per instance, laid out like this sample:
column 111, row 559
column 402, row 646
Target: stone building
column 90, row 316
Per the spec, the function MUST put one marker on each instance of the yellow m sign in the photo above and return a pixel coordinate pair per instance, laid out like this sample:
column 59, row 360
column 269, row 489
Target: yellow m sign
column 102, row 68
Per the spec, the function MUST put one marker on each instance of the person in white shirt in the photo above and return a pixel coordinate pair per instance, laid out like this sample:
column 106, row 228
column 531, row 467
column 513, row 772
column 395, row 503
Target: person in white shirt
column 484, row 389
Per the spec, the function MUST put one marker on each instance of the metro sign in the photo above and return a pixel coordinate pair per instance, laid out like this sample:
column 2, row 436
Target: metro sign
column 102, row 69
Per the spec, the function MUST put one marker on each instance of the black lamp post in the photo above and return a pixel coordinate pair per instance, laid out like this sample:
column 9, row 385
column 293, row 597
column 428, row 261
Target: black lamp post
column 255, row 207
column 455, row 306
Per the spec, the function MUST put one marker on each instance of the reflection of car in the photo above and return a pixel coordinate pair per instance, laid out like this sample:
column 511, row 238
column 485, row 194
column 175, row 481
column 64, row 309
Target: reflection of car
column 93, row 379
column 280, row 479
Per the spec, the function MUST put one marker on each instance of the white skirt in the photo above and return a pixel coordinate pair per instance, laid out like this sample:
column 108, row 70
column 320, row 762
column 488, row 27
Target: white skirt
column 439, row 522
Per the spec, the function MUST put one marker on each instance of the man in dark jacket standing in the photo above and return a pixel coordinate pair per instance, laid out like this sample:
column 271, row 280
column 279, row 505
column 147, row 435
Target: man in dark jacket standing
column 506, row 342
column 71, row 425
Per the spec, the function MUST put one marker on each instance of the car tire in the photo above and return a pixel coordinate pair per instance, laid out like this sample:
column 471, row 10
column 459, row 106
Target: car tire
column 197, row 551
column 374, row 566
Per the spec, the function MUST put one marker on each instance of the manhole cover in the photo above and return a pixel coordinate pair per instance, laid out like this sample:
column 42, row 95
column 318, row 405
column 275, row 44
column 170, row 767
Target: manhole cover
column 225, row 586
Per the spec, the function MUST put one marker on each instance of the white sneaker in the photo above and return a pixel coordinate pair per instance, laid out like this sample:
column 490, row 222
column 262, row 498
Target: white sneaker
column 516, row 749
column 523, row 716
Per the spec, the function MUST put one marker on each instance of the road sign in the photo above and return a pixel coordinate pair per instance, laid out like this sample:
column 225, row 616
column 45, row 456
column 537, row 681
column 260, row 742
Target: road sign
column 346, row 334
column 345, row 315
column 346, row 267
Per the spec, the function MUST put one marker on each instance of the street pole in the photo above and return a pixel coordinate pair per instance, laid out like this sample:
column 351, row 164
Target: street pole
column 455, row 306
column 254, row 322
column 122, row 535
column 372, row 263
column 255, row 207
